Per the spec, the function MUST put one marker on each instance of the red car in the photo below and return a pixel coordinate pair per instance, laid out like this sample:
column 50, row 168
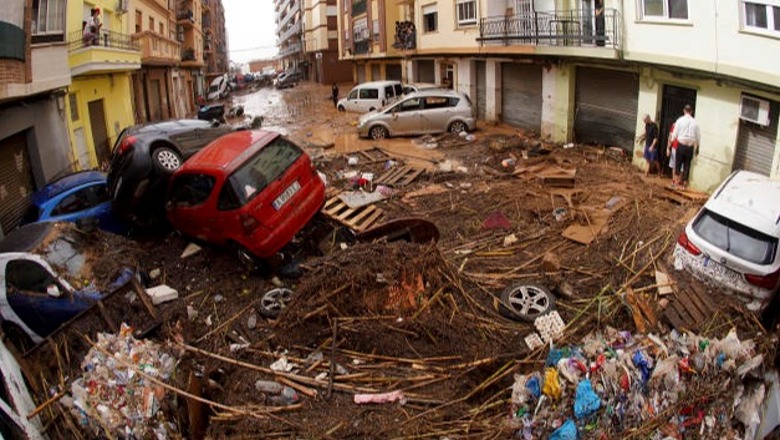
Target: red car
column 252, row 190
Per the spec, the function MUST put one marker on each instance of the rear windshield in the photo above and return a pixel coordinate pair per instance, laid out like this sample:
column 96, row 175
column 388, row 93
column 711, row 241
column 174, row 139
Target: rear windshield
column 255, row 174
column 735, row 238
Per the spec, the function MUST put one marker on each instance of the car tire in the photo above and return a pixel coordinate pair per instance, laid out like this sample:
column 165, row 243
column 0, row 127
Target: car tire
column 166, row 159
column 274, row 301
column 18, row 337
column 526, row 302
column 377, row 132
column 342, row 109
column 457, row 127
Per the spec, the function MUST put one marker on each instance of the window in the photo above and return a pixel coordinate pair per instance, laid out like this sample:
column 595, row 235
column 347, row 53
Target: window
column 352, row 95
column 467, row 12
column 86, row 198
column 762, row 16
column 409, row 105
column 735, row 238
column 162, row 29
column 430, row 18
column 369, row 93
column 668, row 9
column 191, row 189
column 253, row 176
column 389, row 91
column 48, row 18
column 399, row 89
column 433, row 102
column 74, row 107
column 151, row 24
column 27, row 276
column 376, row 30
column 138, row 21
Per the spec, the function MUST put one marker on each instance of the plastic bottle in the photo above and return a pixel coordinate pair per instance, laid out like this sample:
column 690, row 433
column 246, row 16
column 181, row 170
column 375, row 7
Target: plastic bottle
column 288, row 396
column 269, row 386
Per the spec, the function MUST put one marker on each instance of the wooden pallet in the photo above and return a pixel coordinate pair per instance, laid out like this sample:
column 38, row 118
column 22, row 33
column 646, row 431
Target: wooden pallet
column 682, row 196
column 357, row 219
column 399, row 176
column 689, row 309
column 373, row 155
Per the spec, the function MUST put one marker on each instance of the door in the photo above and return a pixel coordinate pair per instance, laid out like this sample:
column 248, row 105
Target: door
column 481, row 88
column 188, row 206
column 375, row 72
column 368, row 99
column 360, row 71
column 521, row 104
column 81, row 149
column 97, row 121
column 393, row 72
column 756, row 144
column 405, row 117
column 606, row 107
column 155, row 101
column 674, row 99
column 426, row 71
column 16, row 183
column 435, row 114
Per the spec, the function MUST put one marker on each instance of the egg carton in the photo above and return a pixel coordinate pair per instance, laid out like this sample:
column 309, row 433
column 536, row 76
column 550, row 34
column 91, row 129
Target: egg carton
column 550, row 326
column 533, row 341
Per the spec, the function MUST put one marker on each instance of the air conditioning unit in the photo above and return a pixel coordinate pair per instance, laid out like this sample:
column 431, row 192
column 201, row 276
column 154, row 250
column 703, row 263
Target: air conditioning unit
column 122, row 6
column 754, row 110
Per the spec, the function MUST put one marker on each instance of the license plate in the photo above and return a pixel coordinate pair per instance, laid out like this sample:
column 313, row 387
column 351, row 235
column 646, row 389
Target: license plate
column 286, row 195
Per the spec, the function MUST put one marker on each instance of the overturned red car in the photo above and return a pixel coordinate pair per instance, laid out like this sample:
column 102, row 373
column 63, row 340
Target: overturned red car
column 250, row 190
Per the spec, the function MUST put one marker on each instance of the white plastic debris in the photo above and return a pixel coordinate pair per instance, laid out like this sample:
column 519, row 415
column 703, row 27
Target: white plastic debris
column 393, row 396
column 533, row 341
column 352, row 161
column 282, row 364
column 162, row 293
column 550, row 326
column 509, row 240
column 190, row 250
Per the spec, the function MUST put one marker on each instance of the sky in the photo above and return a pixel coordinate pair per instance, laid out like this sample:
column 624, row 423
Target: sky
column 251, row 29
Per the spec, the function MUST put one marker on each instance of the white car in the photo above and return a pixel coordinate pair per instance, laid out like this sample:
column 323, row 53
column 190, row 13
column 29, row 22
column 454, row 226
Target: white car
column 732, row 242
column 371, row 96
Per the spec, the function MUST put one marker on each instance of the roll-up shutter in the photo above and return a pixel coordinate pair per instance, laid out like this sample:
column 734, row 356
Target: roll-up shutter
column 606, row 107
column 426, row 71
column 521, row 100
column 361, row 73
column 481, row 89
column 393, row 72
column 756, row 144
column 17, row 181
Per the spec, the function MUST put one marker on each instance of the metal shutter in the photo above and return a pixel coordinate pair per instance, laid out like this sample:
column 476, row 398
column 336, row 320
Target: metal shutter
column 17, row 182
column 521, row 104
column 481, row 89
column 606, row 107
column 426, row 71
column 393, row 72
column 361, row 73
column 375, row 72
column 756, row 144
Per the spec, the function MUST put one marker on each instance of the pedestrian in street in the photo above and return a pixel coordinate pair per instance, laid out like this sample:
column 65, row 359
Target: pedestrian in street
column 671, row 153
column 334, row 94
column 651, row 145
column 686, row 133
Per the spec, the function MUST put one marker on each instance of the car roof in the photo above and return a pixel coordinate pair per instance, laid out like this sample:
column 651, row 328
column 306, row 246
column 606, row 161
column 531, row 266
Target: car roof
column 175, row 124
column 435, row 92
column 229, row 151
column 377, row 84
column 65, row 183
column 750, row 199
column 26, row 238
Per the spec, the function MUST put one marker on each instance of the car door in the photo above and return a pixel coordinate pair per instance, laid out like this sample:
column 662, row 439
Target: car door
column 369, row 99
column 83, row 202
column 189, row 205
column 37, row 297
column 435, row 114
column 352, row 103
column 405, row 117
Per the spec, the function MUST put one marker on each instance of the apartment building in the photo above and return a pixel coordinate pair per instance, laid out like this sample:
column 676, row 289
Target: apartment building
column 321, row 44
column 570, row 72
column 215, row 42
column 289, row 34
column 34, row 75
column 189, row 32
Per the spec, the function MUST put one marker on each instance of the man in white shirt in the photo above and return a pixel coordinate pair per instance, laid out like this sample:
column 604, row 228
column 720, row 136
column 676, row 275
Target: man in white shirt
column 686, row 133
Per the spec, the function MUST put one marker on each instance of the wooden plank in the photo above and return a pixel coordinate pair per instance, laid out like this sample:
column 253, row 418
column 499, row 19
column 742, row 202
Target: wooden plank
column 692, row 310
column 409, row 178
column 370, row 221
column 106, row 318
column 674, row 318
column 703, row 300
column 141, row 293
column 364, row 213
column 687, row 321
column 664, row 283
column 345, row 214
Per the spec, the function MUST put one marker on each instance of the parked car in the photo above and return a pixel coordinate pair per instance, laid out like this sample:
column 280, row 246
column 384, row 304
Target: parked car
column 371, row 96
column 214, row 112
column 287, row 79
column 251, row 190
column 77, row 197
column 434, row 111
column 420, row 87
column 219, row 88
column 732, row 242
column 36, row 262
column 143, row 159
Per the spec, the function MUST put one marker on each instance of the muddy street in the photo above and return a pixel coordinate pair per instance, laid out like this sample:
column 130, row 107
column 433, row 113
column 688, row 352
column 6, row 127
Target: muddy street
column 537, row 245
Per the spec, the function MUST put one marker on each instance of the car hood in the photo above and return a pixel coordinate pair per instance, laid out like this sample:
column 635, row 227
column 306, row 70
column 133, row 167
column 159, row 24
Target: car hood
column 368, row 117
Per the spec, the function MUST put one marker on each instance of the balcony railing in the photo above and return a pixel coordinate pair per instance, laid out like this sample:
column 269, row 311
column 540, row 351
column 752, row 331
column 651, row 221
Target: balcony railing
column 294, row 29
column 557, row 28
column 104, row 39
column 361, row 47
column 290, row 49
column 358, row 7
column 185, row 16
column 157, row 48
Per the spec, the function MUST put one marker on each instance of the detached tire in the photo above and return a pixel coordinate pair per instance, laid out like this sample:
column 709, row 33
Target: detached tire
column 166, row 159
column 526, row 302
column 274, row 301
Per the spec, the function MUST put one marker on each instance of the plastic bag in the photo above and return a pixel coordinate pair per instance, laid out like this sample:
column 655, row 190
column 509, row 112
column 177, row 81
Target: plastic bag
column 642, row 364
column 552, row 387
column 586, row 402
column 567, row 431
column 534, row 386
column 520, row 393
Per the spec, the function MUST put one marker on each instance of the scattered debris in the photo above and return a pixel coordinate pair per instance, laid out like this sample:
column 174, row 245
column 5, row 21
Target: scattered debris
column 190, row 250
column 393, row 396
column 161, row 294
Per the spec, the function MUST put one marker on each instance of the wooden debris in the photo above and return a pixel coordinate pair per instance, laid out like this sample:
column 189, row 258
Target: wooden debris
column 597, row 218
column 372, row 155
column 357, row 219
column 664, row 282
column 399, row 176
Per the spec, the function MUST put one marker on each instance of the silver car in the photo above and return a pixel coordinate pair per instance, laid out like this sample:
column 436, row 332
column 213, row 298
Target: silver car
column 433, row 111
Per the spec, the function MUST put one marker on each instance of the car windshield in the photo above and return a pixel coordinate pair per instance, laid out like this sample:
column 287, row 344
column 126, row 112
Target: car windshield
column 735, row 238
column 252, row 177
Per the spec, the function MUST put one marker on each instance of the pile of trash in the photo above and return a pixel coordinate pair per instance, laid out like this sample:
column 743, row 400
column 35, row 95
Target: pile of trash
column 115, row 396
column 614, row 383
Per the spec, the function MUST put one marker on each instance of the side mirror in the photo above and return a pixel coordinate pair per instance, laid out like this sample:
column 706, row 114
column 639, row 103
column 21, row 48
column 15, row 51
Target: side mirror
column 53, row 291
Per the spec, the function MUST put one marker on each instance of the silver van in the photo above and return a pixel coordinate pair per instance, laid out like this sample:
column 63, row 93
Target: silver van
column 433, row 111
column 371, row 96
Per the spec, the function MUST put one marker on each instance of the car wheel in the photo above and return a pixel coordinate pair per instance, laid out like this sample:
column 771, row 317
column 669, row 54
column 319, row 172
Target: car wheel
column 18, row 337
column 457, row 127
column 526, row 302
column 378, row 132
column 274, row 301
column 166, row 159
column 342, row 109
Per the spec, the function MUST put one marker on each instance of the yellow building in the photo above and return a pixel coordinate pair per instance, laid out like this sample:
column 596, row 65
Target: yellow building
column 100, row 97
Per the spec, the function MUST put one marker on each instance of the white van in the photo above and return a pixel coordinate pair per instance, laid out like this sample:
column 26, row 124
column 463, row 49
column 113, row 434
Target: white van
column 371, row 96
column 219, row 88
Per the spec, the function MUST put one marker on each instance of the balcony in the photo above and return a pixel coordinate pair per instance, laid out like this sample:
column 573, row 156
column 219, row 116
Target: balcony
column 295, row 29
column 559, row 28
column 361, row 47
column 359, row 7
column 107, row 52
column 206, row 6
column 185, row 17
column 290, row 49
column 157, row 49
column 191, row 58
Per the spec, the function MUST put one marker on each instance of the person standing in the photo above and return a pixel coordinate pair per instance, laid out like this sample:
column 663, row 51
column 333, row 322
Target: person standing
column 686, row 133
column 671, row 153
column 334, row 94
column 651, row 145
column 600, row 25
column 93, row 25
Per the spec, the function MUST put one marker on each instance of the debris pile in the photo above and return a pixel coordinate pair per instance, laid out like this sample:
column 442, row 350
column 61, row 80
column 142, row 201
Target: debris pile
column 120, row 392
column 616, row 382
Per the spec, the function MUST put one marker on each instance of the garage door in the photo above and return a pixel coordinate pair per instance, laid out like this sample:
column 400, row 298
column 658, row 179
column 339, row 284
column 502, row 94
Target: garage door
column 361, row 73
column 17, row 181
column 521, row 104
column 393, row 72
column 375, row 72
column 426, row 72
column 481, row 89
column 756, row 144
column 606, row 107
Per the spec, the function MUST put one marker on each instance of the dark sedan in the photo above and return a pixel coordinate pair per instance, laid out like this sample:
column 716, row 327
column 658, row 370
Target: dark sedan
column 143, row 159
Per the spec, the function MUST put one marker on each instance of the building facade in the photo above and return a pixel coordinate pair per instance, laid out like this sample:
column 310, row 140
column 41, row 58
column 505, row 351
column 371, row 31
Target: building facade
column 34, row 77
column 289, row 35
column 563, row 69
column 189, row 32
column 321, row 45
column 215, row 42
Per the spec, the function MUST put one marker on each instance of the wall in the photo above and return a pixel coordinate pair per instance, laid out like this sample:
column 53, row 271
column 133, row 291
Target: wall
column 448, row 35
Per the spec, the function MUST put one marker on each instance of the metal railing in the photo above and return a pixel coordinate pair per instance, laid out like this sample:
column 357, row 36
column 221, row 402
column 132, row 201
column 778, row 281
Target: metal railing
column 361, row 47
column 294, row 29
column 290, row 49
column 109, row 39
column 555, row 28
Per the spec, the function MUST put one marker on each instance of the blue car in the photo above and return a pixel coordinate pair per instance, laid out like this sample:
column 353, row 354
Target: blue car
column 81, row 196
